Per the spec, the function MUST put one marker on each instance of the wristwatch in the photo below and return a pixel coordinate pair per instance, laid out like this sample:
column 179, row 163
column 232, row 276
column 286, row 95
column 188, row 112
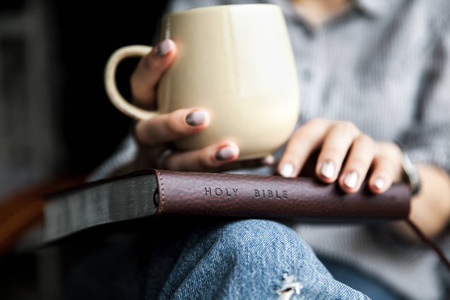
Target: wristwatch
column 410, row 172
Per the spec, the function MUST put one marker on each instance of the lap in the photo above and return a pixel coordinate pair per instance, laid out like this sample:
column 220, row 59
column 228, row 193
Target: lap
column 206, row 259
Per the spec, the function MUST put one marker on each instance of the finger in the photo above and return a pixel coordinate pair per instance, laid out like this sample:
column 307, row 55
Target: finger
column 382, row 175
column 149, row 71
column 149, row 156
column 172, row 126
column 267, row 161
column 358, row 164
column 307, row 138
column 386, row 167
column 335, row 148
column 206, row 159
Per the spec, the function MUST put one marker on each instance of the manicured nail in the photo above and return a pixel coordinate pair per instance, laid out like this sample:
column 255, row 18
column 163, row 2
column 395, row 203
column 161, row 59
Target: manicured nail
column 164, row 47
column 328, row 169
column 196, row 118
column 351, row 179
column 287, row 170
column 379, row 183
column 226, row 153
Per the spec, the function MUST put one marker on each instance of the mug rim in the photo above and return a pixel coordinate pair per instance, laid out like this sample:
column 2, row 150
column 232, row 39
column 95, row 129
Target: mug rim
column 219, row 7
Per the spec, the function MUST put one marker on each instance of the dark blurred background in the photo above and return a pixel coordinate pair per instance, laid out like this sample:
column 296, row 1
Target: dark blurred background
column 87, row 35
column 55, row 118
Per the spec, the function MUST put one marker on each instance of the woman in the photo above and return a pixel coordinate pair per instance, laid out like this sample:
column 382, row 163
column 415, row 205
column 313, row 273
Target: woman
column 372, row 73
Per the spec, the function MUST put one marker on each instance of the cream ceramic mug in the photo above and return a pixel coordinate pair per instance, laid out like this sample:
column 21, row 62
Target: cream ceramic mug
column 234, row 61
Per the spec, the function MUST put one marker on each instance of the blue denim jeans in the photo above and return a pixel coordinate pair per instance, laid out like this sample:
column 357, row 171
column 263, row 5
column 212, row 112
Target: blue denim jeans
column 239, row 259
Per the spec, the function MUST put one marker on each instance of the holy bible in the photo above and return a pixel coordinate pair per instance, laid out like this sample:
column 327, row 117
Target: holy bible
column 159, row 193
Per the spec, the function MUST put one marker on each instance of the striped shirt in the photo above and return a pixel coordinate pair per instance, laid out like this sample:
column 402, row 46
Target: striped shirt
column 385, row 66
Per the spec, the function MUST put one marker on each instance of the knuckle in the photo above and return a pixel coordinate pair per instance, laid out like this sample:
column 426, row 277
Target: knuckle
column 365, row 139
column 385, row 162
column 316, row 122
column 310, row 131
column 333, row 151
column 174, row 125
column 384, row 168
column 348, row 126
column 394, row 149
column 366, row 144
column 388, row 149
column 358, row 162
column 301, row 137
column 204, row 162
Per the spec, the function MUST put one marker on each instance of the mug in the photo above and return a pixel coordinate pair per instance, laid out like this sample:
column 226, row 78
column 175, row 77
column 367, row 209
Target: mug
column 234, row 61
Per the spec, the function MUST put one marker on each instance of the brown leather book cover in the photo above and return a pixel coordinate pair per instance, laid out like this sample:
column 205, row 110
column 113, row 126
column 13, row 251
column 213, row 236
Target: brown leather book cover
column 202, row 194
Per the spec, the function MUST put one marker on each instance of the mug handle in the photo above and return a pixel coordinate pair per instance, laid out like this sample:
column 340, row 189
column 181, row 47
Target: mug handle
column 110, row 81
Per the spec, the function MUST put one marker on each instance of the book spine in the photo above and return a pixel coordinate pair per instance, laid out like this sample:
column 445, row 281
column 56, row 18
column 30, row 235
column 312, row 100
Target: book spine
column 213, row 194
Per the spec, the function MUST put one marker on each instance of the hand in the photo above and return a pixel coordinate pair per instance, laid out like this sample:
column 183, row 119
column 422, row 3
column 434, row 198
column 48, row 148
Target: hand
column 155, row 135
column 346, row 155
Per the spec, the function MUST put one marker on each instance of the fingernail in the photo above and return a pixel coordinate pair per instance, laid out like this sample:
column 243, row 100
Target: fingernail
column 163, row 48
column 269, row 160
column 379, row 183
column 287, row 170
column 226, row 153
column 196, row 118
column 351, row 179
column 328, row 169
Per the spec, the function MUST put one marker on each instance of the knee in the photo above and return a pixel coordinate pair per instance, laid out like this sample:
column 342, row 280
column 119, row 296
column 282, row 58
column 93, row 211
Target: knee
column 259, row 238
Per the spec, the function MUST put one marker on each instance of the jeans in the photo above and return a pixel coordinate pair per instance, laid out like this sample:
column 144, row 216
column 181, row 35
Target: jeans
column 239, row 259
column 359, row 280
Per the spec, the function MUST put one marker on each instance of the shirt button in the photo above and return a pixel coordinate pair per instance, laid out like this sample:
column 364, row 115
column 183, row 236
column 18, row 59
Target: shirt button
column 307, row 75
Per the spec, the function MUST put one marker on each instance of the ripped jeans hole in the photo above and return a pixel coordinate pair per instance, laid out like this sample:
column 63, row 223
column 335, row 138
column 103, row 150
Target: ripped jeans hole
column 286, row 290
column 289, row 288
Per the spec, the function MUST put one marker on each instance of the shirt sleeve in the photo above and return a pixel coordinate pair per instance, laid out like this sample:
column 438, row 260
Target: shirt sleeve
column 428, row 139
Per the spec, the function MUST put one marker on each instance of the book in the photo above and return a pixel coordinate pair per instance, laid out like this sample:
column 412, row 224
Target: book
column 159, row 193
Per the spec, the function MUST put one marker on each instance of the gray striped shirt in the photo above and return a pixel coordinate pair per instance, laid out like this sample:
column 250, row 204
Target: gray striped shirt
column 385, row 66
